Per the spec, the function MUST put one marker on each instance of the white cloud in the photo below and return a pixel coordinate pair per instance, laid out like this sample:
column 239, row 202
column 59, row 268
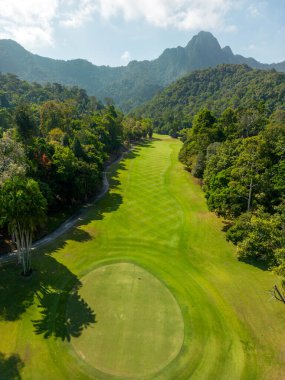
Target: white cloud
column 80, row 14
column 126, row 57
column 29, row 22
column 181, row 14
column 32, row 22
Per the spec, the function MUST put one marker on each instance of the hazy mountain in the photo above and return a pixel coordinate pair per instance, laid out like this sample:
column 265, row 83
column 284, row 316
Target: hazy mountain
column 129, row 85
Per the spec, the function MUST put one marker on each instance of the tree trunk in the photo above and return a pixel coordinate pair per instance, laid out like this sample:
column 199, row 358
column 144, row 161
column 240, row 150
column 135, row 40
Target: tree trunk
column 249, row 195
column 23, row 240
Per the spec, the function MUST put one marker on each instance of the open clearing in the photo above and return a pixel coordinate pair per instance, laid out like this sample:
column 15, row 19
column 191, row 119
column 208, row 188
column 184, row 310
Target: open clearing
column 218, row 319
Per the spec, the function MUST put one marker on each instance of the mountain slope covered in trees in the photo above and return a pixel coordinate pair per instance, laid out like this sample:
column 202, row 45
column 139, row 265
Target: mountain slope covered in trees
column 216, row 88
column 129, row 86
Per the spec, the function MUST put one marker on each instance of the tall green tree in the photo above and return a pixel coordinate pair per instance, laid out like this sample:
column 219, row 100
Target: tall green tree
column 25, row 122
column 22, row 209
column 12, row 158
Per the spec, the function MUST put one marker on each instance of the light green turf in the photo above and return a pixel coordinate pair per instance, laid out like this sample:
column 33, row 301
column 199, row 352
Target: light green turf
column 155, row 216
column 141, row 318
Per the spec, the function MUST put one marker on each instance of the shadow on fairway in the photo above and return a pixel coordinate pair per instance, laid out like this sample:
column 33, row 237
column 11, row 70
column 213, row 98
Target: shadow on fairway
column 52, row 286
column 114, row 182
column 10, row 367
column 62, row 312
column 263, row 265
column 109, row 203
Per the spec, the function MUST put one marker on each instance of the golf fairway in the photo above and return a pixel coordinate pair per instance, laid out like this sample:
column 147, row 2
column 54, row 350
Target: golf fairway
column 144, row 287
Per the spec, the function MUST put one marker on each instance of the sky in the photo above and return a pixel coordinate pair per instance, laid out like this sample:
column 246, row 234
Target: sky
column 113, row 32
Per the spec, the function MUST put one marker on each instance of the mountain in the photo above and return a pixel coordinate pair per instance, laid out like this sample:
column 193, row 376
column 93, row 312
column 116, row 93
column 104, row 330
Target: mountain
column 129, row 86
column 215, row 88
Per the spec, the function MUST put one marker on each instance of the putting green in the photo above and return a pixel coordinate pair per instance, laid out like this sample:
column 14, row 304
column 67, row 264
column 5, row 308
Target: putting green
column 139, row 327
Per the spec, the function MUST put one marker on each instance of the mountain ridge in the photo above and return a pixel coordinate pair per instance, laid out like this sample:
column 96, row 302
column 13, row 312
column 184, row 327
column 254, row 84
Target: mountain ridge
column 129, row 85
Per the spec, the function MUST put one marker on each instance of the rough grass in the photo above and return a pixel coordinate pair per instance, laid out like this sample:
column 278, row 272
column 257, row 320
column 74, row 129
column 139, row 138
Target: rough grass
column 155, row 216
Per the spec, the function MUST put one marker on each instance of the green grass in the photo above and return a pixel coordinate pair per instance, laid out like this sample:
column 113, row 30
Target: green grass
column 155, row 217
column 141, row 317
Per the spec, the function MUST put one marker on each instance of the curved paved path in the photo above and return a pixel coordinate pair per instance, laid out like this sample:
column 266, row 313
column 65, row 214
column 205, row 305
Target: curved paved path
column 69, row 223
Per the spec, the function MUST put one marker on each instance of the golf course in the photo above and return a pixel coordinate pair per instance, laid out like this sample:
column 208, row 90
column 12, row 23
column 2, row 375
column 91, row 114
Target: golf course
column 144, row 286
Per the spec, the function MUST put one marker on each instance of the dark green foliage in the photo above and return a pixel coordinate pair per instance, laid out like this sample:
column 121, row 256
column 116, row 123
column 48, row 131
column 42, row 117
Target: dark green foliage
column 260, row 236
column 77, row 148
column 22, row 203
column 256, row 93
column 135, row 130
column 205, row 131
column 57, row 136
column 25, row 123
column 22, row 210
column 11, row 366
column 244, row 174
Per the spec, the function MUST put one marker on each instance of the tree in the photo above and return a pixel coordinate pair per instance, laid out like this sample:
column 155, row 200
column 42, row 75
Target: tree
column 221, row 193
column 228, row 122
column 12, row 158
column 280, row 251
column 259, row 235
column 25, row 123
column 77, row 148
column 249, row 166
column 51, row 116
column 250, row 121
column 128, row 125
column 22, row 209
column 237, row 176
column 148, row 126
column 205, row 131
column 6, row 119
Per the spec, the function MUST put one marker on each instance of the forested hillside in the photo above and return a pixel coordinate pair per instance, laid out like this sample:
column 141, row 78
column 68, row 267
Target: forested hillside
column 235, row 86
column 129, row 86
column 54, row 142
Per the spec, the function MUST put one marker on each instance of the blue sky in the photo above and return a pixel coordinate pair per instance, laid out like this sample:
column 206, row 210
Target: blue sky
column 113, row 32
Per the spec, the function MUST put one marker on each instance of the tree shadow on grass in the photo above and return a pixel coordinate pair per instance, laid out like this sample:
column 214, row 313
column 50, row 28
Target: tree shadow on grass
column 148, row 142
column 62, row 312
column 260, row 264
column 10, row 367
column 110, row 202
column 227, row 224
column 114, row 181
